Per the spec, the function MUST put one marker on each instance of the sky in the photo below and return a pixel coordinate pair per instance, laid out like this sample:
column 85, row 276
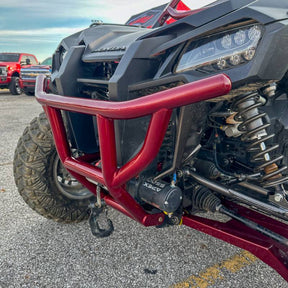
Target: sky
column 38, row 26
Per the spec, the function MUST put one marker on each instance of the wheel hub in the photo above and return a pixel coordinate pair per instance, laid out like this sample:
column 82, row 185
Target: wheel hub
column 67, row 184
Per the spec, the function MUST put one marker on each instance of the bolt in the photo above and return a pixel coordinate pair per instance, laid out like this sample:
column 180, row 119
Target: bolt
column 160, row 219
column 180, row 173
column 175, row 220
column 278, row 197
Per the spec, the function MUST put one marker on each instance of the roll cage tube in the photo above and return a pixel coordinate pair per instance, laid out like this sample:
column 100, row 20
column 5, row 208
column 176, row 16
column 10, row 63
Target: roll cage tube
column 170, row 11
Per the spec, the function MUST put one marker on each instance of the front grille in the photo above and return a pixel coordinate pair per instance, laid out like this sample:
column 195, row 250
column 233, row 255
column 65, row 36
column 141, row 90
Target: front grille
column 32, row 74
column 100, row 71
column 153, row 89
column 95, row 79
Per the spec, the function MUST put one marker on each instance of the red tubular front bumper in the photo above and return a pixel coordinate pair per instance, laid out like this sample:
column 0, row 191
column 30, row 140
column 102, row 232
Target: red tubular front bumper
column 160, row 106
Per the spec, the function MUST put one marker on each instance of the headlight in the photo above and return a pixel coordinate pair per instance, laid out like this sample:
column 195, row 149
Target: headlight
column 3, row 71
column 222, row 51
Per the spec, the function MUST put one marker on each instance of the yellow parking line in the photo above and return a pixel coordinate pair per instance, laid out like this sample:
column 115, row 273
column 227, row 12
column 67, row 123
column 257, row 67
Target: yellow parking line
column 214, row 273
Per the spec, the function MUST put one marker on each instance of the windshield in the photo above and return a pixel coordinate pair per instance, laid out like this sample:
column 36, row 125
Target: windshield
column 47, row 61
column 4, row 57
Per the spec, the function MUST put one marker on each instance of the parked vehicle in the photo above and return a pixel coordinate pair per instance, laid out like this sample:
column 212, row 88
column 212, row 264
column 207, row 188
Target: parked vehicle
column 29, row 73
column 168, row 123
column 10, row 65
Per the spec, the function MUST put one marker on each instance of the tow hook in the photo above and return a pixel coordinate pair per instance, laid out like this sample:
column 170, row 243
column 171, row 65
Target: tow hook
column 98, row 214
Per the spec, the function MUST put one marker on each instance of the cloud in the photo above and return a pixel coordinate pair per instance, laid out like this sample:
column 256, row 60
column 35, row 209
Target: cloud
column 41, row 42
column 38, row 26
column 42, row 12
column 41, row 32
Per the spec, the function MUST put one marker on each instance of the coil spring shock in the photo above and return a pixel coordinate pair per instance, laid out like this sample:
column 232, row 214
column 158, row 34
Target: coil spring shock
column 255, row 134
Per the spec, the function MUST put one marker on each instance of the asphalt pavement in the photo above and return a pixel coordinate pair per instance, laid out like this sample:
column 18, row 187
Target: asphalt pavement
column 36, row 252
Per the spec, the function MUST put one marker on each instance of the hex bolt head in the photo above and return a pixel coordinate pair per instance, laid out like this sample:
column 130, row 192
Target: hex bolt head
column 278, row 197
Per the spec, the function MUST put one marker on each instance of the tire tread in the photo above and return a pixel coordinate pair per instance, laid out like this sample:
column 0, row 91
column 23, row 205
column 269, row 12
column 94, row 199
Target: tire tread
column 32, row 177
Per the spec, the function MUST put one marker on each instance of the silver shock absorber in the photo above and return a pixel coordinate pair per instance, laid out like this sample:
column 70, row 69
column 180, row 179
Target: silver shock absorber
column 253, row 126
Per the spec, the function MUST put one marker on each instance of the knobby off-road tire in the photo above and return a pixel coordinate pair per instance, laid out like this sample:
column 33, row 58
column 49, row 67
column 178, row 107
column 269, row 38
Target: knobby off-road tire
column 35, row 165
column 14, row 86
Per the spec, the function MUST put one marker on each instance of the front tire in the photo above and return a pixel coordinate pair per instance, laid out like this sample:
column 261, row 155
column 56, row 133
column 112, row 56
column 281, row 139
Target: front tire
column 42, row 181
column 14, row 86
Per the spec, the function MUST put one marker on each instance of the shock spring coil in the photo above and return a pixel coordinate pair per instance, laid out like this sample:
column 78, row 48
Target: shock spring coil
column 255, row 134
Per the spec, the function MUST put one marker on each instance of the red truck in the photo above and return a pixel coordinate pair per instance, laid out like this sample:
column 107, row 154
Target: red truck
column 28, row 74
column 10, row 65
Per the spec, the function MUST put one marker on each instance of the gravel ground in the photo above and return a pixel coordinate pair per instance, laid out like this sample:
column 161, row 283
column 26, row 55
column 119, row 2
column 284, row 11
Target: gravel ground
column 36, row 252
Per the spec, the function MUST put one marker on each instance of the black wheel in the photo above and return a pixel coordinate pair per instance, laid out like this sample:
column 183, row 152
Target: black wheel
column 29, row 93
column 42, row 181
column 14, row 86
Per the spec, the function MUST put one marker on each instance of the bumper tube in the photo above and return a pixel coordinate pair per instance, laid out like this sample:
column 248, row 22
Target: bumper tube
column 160, row 106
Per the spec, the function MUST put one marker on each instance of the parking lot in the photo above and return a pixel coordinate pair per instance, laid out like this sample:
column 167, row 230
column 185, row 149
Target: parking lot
column 36, row 252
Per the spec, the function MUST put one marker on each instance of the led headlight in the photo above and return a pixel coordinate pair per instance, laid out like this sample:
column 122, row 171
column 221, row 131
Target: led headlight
column 226, row 41
column 222, row 51
column 240, row 37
